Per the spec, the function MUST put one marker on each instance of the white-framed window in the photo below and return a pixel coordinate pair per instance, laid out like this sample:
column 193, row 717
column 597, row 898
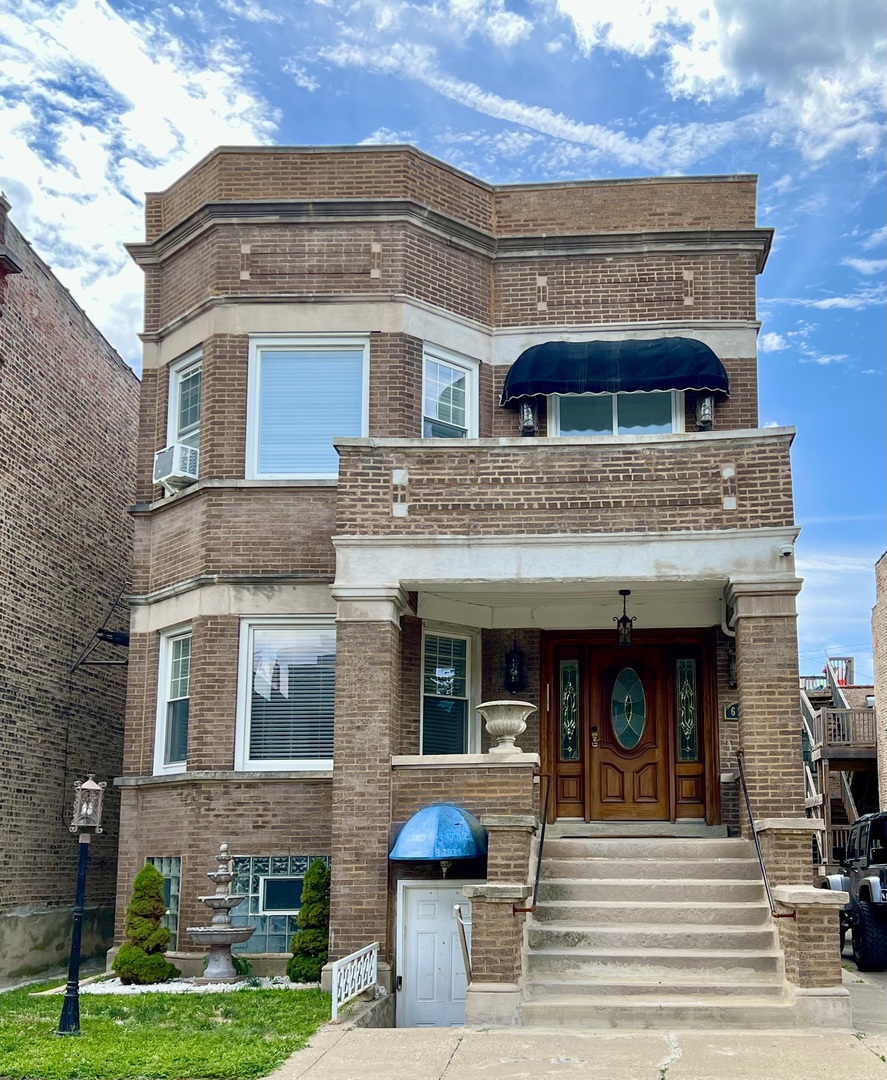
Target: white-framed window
column 303, row 393
column 655, row 412
column 183, row 423
column 286, row 693
column 449, row 395
column 173, row 701
column 449, row 676
column 171, row 868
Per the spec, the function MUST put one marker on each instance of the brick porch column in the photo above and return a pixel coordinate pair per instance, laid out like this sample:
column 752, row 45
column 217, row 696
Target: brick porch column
column 367, row 711
column 769, row 710
column 497, row 933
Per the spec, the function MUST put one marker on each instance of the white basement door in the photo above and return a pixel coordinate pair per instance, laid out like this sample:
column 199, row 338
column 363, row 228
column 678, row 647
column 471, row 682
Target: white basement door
column 432, row 969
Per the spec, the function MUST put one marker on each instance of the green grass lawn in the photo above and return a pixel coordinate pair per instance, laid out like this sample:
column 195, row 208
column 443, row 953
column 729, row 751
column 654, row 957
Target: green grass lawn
column 232, row 1036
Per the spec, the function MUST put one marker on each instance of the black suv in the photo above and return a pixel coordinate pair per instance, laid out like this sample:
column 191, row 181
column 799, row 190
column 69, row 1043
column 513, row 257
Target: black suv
column 864, row 877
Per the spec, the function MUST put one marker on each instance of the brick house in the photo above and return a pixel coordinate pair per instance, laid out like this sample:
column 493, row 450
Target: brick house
column 442, row 427
column 68, row 417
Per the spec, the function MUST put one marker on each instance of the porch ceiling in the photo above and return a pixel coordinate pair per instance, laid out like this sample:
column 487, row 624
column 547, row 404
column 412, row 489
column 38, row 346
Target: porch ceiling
column 572, row 606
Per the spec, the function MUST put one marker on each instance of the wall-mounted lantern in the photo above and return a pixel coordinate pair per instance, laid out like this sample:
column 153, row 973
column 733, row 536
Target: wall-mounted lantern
column 515, row 676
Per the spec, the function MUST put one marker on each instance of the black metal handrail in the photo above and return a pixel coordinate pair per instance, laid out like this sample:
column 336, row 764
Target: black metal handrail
column 529, row 910
column 754, row 832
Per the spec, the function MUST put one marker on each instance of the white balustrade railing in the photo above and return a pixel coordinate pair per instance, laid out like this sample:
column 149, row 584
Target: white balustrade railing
column 353, row 974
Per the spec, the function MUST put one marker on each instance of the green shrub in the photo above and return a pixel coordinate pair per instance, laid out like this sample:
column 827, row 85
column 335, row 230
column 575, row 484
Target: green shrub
column 310, row 944
column 141, row 958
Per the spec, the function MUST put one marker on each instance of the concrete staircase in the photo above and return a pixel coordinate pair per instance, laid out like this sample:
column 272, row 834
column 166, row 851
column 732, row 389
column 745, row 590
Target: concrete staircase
column 654, row 933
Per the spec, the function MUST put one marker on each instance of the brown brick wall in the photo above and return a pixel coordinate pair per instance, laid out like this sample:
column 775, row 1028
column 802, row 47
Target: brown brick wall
column 769, row 730
column 495, row 644
column 879, row 647
column 398, row 173
column 68, row 417
column 217, row 531
column 626, row 206
column 495, row 942
column 639, row 288
column 788, row 855
column 367, row 707
column 191, row 818
column 395, row 386
column 478, row 790
column 810, row 945
column 728, row 735
column 565, row 488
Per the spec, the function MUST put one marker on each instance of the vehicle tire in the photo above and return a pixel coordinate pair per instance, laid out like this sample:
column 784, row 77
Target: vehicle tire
column 843, row 938
column 869, row 938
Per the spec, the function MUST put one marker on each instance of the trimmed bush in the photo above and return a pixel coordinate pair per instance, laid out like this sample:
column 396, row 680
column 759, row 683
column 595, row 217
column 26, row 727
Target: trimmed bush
column 141, row 958
column 310, row 944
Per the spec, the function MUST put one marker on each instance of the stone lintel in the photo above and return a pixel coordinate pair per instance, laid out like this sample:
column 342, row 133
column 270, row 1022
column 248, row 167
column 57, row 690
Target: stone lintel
column 808, row 896
column 510, row 822
column 224, row 776
column 464, row 761
column 501, row 892
column 799, row 825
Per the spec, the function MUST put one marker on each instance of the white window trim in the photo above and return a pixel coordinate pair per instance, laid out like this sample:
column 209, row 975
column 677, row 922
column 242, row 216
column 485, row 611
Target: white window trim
column 177, row 371
column 242, row 761
column 677, row 412
column 297, row 341
column 472, row 663
column 471, row 368
column 167, row 638
column 277, row 877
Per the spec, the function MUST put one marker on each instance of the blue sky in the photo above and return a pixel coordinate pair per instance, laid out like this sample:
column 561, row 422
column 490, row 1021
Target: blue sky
column 101, row 101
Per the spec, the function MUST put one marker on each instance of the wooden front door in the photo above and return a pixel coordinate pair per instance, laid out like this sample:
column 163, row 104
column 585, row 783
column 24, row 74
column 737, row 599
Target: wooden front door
column 628, row 730
column 628, row 739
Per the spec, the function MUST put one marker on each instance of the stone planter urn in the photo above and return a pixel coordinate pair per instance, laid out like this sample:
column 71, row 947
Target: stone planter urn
column 504, row 721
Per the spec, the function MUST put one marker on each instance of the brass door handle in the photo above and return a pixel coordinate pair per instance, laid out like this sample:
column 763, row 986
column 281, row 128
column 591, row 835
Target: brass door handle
column 595, row 737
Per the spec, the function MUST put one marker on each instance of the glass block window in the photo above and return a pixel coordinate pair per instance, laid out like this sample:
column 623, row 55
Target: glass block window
column 445, row 695
column 688, row 711
column 271, row 885
column 569, row 710
column 171, row 868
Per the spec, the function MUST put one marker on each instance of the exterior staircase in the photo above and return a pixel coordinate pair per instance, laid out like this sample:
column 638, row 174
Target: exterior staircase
column 654, row 933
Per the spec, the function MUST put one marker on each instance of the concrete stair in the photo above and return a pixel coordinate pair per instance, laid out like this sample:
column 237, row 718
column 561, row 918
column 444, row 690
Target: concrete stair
column 664, row 933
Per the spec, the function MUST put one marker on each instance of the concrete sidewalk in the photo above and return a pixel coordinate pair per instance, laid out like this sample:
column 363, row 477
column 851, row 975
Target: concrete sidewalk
column 346, row 1053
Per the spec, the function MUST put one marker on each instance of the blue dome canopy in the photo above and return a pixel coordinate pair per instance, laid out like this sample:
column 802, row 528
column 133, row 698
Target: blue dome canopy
column 441, row 832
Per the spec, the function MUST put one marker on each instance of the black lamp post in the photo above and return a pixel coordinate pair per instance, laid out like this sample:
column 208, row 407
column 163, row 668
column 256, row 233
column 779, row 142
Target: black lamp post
column 87, row 819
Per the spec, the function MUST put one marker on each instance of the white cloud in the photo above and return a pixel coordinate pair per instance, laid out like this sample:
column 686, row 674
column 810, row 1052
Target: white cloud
column 98, row 110
column 783, row 184
column 250, row 11
column 300, row 76
column 865, row 297
column 875, row 239
column 384, row 135
column 819, row 65
column 663, row 147
column 866, row 266
column 834, row 606
column 811, row 356
column 771, row 342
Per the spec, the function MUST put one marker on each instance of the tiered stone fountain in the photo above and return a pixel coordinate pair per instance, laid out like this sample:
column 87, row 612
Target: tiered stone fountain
column 220, row 935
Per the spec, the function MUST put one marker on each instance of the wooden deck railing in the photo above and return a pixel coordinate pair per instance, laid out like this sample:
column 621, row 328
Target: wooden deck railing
column 851, row 728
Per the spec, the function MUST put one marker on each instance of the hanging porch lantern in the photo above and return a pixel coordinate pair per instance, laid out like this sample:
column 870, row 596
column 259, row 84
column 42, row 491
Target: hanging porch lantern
column 623, row 622
column 515, row 678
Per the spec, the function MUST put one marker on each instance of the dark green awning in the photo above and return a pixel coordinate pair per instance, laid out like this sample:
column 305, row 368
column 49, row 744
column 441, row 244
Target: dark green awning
column 613, row 367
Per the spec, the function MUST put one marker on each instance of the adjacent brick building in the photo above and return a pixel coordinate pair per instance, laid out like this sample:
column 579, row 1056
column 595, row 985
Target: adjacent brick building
column 313, row 624
column 68, row 421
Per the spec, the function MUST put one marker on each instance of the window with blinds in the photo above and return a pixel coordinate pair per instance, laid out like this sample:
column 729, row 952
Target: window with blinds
column 302, row 397
column 288, row 700
column 445, row 691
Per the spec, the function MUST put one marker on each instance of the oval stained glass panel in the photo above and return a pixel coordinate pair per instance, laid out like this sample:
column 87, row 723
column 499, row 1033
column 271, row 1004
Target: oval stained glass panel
column 628, row 708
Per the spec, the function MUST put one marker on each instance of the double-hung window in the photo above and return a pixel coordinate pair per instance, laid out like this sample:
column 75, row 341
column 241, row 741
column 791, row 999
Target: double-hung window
column 173, row 702
column 447, row 723
column 287, row 690
column 303, row 394
column 184, row 401
column 449, row 396
column 656, row 412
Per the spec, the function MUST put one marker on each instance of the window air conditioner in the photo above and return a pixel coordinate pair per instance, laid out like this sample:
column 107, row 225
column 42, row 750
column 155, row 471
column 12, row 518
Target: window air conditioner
column 176, row 466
